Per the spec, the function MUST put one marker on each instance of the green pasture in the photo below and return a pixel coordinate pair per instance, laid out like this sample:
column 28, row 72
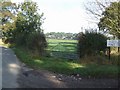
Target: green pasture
column 62, row 48
column 62, row 45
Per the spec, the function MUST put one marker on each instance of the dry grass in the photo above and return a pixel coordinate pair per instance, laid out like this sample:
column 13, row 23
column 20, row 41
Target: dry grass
column 101, row 60
column 1, row 43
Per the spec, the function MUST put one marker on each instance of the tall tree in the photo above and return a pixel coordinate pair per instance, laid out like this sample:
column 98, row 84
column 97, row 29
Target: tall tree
column 95, row 8
column 28, row 30
column 8, row 16
column 21, row 24
column 111, row 19
column 28, row 21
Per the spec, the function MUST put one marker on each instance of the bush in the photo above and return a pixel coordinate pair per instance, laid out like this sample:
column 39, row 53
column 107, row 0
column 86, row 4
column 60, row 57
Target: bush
column 91, row 44
column 36, row 42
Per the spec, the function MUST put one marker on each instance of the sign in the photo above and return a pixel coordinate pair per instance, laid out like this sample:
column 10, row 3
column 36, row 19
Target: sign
column 113, row 43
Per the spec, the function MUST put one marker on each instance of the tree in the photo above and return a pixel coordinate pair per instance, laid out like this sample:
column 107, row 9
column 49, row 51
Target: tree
column 23, row 24
column 96, row 7
column 28, row 21
column 98, row 10
column 7, row 16
column 28, row 31
column 111, row 19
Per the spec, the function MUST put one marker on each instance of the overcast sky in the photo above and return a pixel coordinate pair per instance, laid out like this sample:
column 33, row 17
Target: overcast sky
column 63, row 15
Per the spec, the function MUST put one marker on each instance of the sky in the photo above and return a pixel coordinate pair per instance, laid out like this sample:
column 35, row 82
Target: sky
column 63, row 15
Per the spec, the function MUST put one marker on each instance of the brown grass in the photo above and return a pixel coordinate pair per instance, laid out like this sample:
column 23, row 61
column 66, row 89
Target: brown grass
column 1, row 43
column 101, row 60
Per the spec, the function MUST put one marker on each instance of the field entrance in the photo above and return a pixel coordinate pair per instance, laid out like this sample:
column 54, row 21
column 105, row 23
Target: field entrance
column 63, row 48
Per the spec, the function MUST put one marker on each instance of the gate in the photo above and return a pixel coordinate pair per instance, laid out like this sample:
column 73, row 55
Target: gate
column 65, row 50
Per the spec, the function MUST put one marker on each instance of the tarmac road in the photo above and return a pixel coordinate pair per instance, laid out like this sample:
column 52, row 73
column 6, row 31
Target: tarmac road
column 10, row 68
column 0, row 68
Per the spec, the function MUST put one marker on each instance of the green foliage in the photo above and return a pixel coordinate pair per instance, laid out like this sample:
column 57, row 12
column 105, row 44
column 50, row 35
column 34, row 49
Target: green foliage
column 37, row 43
column 25, row 30
column 91, row 43
column 7, row 17
column 111, row 19
column 28, row 21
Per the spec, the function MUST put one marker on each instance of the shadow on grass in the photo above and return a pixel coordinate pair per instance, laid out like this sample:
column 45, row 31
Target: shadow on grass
column 68, row 67
column 64, row 55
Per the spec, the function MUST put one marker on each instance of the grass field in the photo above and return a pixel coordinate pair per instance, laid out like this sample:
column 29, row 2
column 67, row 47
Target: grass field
column 61, row 45
column 66, row 66
column 66, row 49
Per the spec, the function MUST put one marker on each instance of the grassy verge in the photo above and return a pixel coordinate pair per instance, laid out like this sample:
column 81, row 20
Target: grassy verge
column 65, row 66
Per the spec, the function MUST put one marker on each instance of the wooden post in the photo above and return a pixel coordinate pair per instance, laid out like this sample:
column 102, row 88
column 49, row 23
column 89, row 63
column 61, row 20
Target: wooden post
column 118, row 55
column 118, row 49
column 109, row 53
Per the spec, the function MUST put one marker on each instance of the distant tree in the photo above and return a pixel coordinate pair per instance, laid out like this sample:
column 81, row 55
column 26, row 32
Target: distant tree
column 61, row 35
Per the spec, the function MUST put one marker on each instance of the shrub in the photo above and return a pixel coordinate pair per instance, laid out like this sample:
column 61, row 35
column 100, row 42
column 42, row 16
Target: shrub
column 36, row 42
column 91, row 44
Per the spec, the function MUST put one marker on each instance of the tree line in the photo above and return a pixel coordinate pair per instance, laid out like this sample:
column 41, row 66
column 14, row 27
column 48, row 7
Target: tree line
column 61, row 35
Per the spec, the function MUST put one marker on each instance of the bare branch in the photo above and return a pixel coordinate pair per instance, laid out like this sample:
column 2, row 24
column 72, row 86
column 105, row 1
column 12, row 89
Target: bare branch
column 95, row 9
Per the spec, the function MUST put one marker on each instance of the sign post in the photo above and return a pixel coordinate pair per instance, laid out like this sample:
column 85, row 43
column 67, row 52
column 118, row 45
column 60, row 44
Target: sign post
column 118, row 49
column 113, row 43
column 109, row 53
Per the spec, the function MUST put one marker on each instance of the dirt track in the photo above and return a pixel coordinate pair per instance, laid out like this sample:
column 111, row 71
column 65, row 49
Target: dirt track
column 44, row 79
